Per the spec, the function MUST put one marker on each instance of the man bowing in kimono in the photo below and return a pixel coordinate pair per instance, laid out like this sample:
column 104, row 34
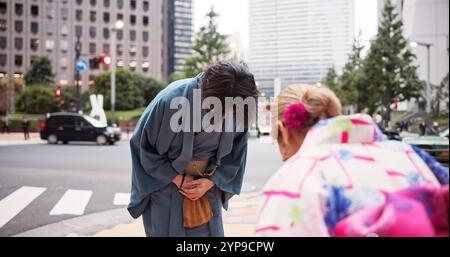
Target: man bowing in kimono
column 184, row 172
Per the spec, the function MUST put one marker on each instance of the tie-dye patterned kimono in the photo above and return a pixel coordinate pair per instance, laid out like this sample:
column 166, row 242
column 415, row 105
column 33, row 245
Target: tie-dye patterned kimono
column 344, row 165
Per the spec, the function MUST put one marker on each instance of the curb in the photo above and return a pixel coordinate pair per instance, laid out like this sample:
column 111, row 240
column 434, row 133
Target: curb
column 84, row 226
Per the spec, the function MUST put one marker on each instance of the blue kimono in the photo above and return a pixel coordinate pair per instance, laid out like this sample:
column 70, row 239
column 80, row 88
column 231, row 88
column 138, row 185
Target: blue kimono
column 160, row 154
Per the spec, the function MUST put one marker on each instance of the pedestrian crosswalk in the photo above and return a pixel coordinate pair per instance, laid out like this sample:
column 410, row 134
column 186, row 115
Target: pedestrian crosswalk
column 72, row 202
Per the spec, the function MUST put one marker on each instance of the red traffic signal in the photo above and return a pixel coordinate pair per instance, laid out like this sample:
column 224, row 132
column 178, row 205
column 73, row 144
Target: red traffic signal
column 58, row 94
column 106, row 59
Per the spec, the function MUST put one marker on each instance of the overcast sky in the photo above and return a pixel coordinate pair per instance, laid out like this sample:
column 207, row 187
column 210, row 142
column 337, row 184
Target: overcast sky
column 234, row 16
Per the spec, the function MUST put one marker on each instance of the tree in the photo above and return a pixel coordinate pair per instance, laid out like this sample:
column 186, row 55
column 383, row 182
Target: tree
column 40, row 73
column 133, row 90
column 210, row 47
column 331, row 80
column 349, row 80
column 37, row 99
column 388, row 70
column 441, row 96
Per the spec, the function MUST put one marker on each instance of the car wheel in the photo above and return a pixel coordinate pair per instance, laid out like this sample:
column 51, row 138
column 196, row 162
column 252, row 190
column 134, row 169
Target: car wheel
column 112, row 143
column 101, row 140
column 65, row 142
column 52, row 139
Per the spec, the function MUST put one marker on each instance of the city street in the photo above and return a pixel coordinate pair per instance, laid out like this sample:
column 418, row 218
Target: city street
column 42, row 184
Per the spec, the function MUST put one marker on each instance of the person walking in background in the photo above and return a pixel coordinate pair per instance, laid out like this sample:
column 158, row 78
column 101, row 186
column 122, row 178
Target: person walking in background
column 5, row 121
column 343, row 178
column 423, row 128
column 25, row 128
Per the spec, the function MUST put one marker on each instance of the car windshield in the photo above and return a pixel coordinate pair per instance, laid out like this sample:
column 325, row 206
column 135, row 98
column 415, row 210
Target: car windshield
column 95, row 122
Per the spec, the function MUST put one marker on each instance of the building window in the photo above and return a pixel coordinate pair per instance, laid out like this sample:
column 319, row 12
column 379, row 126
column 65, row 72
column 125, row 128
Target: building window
column 49, row 28
column 106, row 33
column 63, row 62
column 3, row 42
column 18, row 60
column 106, row 48
column 106, row 17
column 18, row 26
column 34, row 27
column 64, row 45
column 64, row 13
column 78, row 31
column 92, row 32
column 120, row 4
column 18, row 43
column 79, row 15
column 145, row 66
column 64, row 30
column 79, row 2
column 145, row 51
column 50, row 12
column 34, row 44
column 3, row 8
column 92, row 48
column 19, row 9
column 49, row 44
column 133, row 4
column 93, row 16
column 93, row 2
column 146, row 5
column 3, row 24
column 106, row 3
column 145, row 20
column 33, row 59
column 119, row 33
column 119, row 49
column 133, row 19
column 132, row 65
column 120, row 17
column 34, row 10
column 132, row 35
column 145, row 36
column 3, row 60
column 133, row 50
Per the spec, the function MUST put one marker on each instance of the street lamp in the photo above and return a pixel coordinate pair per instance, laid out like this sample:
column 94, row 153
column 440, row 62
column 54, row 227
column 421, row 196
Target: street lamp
column 118, row 25
column 415, row 44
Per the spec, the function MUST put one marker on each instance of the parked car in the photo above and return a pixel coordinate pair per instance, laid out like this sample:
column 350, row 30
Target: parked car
column 66, row 127
column 435, row 145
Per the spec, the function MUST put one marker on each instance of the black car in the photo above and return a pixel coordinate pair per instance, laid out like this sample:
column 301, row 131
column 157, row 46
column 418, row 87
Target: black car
column 66, row 127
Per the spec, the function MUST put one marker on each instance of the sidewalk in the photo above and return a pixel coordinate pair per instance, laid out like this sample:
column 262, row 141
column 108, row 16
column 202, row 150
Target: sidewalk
column 239, row 220
column 17, row 138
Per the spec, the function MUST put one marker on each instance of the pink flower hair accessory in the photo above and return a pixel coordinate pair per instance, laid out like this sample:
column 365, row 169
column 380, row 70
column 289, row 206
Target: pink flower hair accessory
column 296, row 116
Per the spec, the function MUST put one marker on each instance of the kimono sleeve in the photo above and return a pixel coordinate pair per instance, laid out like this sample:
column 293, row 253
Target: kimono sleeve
column 155, row 142
column 229, row 176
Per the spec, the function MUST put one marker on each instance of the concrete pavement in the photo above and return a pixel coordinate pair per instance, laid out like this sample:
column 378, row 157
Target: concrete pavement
column 239, row 220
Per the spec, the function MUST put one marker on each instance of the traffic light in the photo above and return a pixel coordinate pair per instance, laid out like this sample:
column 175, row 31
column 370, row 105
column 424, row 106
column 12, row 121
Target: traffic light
column 94, row 63
column 58, row 94
column 106, row 60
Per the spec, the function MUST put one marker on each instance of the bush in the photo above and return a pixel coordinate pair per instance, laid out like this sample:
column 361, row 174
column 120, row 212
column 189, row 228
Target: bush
column 37, row 99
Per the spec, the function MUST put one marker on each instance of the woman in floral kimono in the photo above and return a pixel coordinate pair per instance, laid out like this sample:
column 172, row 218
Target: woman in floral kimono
column 341, row 177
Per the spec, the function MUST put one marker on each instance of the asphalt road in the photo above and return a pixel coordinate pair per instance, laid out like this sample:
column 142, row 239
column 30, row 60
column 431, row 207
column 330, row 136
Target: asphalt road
column 84, row 173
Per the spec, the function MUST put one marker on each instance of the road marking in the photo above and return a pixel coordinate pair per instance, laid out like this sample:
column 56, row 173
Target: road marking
column 122, row 199
column 73, row 202
column 14, row 203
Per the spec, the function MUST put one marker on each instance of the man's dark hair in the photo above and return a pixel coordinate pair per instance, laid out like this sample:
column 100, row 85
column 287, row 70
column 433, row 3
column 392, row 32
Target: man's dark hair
column 228, row 79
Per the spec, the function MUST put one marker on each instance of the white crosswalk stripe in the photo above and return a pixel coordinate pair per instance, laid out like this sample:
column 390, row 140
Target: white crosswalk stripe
column 14, row 203
column 121, row 199
column 72, row 202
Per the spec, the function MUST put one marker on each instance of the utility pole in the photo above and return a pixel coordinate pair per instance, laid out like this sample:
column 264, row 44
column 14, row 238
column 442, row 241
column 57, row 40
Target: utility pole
column 77, row 72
